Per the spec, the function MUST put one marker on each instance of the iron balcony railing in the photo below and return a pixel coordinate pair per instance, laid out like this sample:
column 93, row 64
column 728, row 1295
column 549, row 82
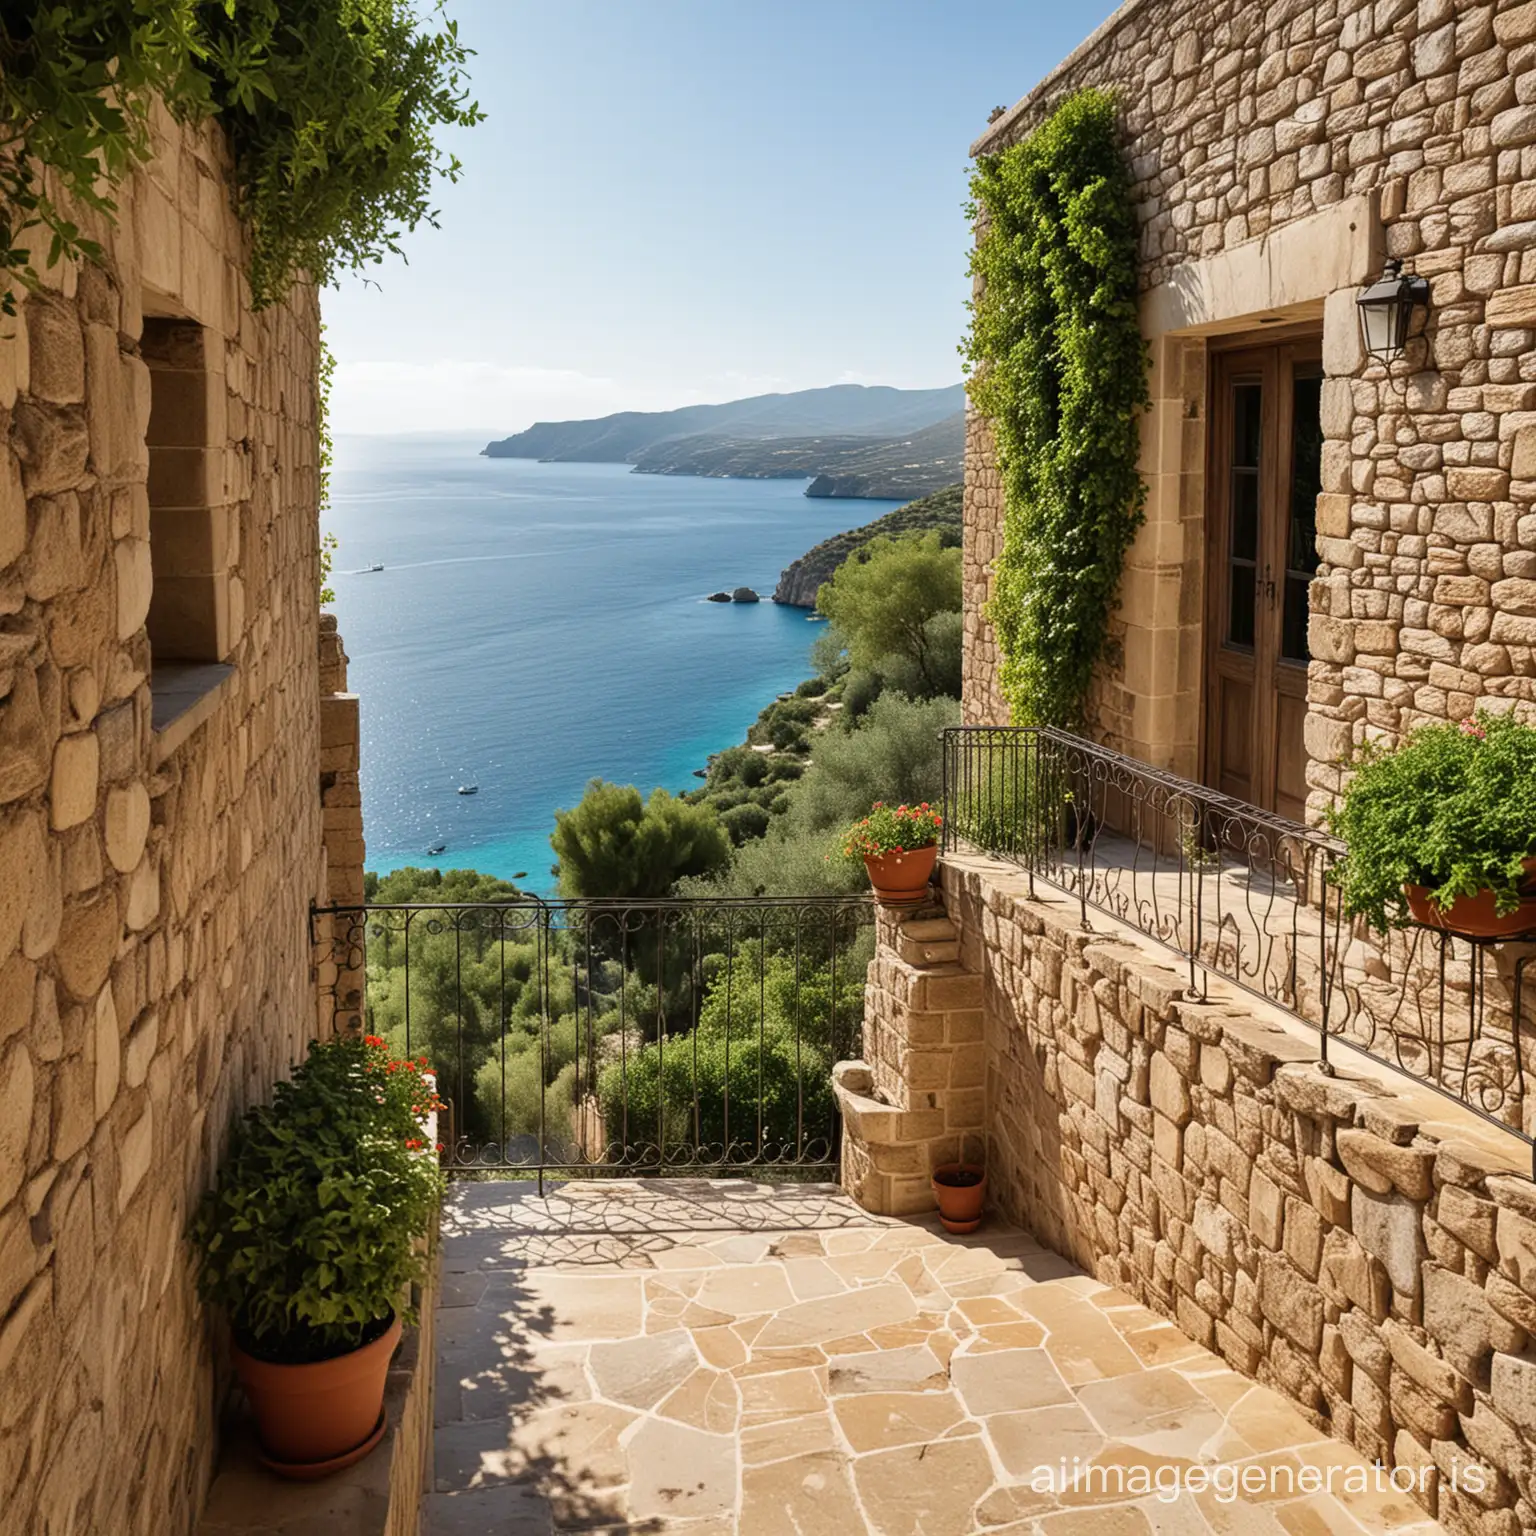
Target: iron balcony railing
column 1249, row 896
column 619, row 1037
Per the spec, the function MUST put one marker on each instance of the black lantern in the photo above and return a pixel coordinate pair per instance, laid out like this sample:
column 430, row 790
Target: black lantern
column 1386, row 310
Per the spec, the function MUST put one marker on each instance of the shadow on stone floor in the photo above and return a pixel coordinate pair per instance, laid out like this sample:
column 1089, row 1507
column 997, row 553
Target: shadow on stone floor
column 706, row 1358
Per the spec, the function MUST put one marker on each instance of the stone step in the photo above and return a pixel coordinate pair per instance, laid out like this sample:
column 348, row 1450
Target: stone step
column 917, row 952
column 928, row 930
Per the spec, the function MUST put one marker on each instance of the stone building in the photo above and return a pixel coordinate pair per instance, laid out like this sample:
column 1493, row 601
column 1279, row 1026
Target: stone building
column 164, row 750
column 1279, row 155
column 1334, row 549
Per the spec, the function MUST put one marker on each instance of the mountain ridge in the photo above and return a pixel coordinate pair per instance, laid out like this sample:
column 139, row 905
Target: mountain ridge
column 842, row 410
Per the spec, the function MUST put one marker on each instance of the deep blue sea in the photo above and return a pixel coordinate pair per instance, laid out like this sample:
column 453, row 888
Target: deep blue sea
column 539, row 625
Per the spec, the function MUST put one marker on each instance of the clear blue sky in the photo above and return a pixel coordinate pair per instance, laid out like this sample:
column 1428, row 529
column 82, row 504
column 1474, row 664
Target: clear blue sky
column 684, row 200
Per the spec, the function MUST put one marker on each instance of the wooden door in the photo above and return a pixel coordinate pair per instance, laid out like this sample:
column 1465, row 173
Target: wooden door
column 1264, row 478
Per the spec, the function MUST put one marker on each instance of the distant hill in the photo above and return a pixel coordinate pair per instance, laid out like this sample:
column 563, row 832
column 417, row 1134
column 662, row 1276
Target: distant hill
column 894, row 467
column 842, row 410
column 802, row 580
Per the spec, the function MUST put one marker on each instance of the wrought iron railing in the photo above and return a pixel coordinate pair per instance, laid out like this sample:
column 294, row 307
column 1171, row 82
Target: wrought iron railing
column 601, row 1038
column 1249, row 896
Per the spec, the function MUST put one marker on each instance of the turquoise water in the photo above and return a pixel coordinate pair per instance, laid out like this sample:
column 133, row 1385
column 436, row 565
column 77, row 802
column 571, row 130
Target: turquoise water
column 539, row 625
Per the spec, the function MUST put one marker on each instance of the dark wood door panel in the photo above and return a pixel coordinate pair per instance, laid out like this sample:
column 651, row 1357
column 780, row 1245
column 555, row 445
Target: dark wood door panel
column 1263, row 478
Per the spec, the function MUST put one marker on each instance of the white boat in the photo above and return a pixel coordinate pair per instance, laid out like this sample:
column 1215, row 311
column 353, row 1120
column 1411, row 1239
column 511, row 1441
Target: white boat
column 373, row 568
column 469, row 789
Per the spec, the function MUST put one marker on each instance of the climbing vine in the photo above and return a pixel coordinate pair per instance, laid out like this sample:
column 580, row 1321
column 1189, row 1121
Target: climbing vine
column 330, row 108
column 1057, row 363
column 327, row 451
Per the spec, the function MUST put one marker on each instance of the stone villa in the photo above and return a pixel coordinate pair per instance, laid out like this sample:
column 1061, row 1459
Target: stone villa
column 1334, row 548
column 1204, row 1246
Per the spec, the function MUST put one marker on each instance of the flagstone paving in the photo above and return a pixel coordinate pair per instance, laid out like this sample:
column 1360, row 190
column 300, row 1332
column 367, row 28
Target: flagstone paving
column 688, row 1356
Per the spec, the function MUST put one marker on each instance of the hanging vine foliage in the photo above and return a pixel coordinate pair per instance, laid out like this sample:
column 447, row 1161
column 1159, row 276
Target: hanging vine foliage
column 330, row 108
column 1057, row 363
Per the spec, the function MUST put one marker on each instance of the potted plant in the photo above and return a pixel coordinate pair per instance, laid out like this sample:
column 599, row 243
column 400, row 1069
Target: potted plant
column 311, row 1241
column 961, row 1190
column 1441, row 830
column 899, row 846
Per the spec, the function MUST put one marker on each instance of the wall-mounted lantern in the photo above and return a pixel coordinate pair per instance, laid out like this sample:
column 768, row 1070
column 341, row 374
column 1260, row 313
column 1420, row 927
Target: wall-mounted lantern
column 1386, row 310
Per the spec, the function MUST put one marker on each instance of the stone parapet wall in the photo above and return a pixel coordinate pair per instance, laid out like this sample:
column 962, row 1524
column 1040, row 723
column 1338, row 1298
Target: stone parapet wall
column 155, row 884
column 917, row 1101
column 1355, row 1241
column 1276, row 153
column 340, row 977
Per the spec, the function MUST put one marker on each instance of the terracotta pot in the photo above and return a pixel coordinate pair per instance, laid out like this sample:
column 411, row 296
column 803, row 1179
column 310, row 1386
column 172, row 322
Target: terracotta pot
column 960, row 1189
column 900, row 878
column 1473, row 916
column 323, row 1416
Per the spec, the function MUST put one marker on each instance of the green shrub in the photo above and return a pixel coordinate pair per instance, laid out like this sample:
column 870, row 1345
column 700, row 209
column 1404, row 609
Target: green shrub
column 1452, row 808
column 311, row 1237
column 895, row 754
column 860, row 691
column 765, row 1031
column 741, row 764
column 614, row 844
column 744, row 822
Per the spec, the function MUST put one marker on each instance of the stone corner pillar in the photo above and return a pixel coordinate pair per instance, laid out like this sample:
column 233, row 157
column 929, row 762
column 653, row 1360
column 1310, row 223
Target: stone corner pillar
column 918, row 1099
column 338, row 962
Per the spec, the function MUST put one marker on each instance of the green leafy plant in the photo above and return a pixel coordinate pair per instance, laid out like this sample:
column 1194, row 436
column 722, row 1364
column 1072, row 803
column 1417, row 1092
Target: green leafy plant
column 891, row 829
column 1058, row 365
column 313, row 1234
column 328, row 542
column 330, row 107
column 1452, row 809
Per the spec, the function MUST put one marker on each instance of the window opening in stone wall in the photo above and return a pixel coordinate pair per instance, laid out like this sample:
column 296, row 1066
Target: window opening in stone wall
column 192, row 529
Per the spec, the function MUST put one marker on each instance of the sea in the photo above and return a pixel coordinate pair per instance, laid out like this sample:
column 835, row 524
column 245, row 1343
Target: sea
column 535, row 626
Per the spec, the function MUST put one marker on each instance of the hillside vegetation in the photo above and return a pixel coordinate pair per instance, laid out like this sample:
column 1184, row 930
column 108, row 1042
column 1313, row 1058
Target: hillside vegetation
column 895, row 467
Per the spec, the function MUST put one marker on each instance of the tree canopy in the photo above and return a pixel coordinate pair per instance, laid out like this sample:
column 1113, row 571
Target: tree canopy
column 884, row 601
column 615, row 844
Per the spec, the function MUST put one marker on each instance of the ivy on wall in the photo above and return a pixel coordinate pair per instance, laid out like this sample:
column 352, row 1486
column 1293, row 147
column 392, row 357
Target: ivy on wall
column 330, row 108
column 1057, row 363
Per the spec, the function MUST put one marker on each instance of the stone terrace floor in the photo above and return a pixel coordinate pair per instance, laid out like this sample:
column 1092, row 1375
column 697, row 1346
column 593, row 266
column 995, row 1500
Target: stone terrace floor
column 722, row 1357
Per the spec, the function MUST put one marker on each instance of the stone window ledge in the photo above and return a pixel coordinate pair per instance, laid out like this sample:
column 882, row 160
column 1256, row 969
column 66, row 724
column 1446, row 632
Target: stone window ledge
column 184, row 695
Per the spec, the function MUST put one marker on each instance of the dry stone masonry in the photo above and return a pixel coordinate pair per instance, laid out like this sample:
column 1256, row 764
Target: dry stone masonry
column 160, row 826
column 1361, row 1245
column 1278, row 153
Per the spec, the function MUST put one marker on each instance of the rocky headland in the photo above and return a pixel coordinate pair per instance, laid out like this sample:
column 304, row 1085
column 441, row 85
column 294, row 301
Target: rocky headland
column 802, row 579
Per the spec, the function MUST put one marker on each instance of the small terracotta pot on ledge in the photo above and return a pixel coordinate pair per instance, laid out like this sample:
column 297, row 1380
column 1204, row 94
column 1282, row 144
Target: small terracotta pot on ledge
column 901, row 879
column 961, row 1190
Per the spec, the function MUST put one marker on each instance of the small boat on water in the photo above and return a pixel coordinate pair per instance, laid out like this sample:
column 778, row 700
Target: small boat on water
column 438, row 848
column 373, row 568
column 469, row 789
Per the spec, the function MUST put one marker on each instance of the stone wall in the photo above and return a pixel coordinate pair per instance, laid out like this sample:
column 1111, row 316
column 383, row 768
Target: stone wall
column 340, row 977
column 1277, row 152
column 160, row 828
column 916, row 1103
column 1354, row 1241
